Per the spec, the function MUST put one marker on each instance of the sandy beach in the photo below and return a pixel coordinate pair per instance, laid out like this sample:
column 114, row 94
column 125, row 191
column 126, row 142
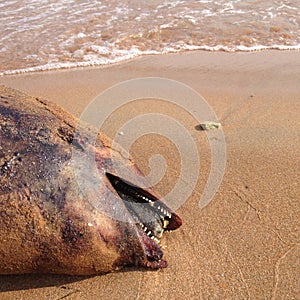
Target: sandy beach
column 245, row 243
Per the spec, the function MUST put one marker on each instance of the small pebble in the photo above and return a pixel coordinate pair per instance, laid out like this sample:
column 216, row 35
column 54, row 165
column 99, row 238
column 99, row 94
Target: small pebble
column 208, row 125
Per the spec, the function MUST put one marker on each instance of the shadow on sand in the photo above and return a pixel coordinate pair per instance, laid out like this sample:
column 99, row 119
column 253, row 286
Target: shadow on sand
column 33, row 281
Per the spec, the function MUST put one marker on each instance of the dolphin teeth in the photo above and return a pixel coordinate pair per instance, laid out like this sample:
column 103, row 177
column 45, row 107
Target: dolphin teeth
column 166, row 223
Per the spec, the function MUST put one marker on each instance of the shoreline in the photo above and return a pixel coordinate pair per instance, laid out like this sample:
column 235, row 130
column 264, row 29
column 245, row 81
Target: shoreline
column 85, row 64
column 244, row 244
column 78, row 85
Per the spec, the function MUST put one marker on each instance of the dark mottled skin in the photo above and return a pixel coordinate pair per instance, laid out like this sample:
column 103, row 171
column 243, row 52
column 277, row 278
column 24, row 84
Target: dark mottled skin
column 46, row 223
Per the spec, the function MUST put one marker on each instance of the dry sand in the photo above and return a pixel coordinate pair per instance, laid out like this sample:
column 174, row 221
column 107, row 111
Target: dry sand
column 245, row 243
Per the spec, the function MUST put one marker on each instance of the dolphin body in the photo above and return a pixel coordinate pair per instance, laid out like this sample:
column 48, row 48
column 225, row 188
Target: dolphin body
column 59, row 217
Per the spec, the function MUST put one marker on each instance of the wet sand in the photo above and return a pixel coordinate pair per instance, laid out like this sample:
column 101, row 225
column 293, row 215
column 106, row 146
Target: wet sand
column 245, row 243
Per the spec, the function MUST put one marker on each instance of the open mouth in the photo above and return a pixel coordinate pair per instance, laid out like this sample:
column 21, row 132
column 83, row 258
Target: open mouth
column 151, row 214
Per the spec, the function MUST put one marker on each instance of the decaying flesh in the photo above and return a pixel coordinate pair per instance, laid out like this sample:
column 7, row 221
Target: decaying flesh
column 51, row 222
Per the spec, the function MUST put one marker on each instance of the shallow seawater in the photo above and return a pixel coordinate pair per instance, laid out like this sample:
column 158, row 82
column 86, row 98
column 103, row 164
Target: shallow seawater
column 48, row 34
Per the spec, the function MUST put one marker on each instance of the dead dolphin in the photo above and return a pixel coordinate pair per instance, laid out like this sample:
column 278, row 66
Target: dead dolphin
column 52, row 223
